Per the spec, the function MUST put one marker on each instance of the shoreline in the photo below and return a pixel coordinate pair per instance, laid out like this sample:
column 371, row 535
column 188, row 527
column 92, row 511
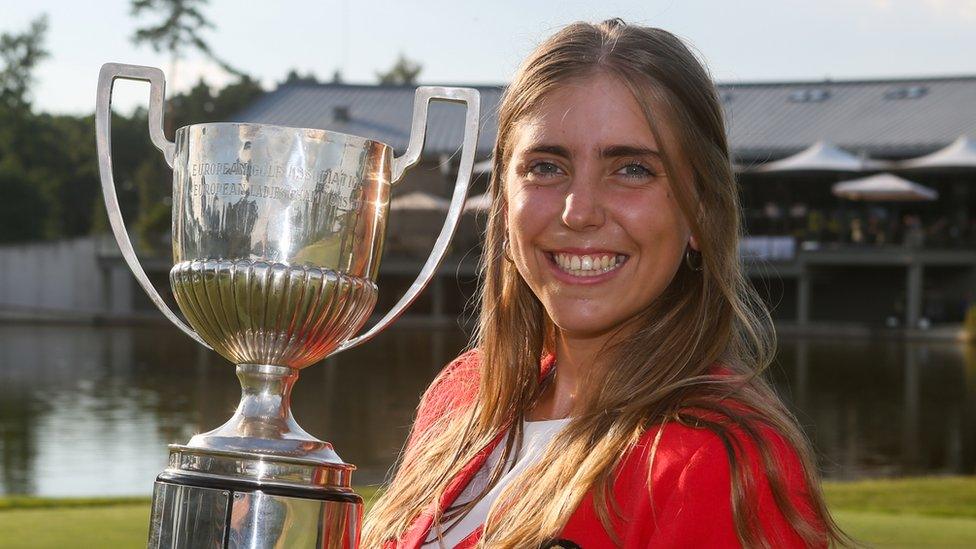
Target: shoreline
column 936, row 495
column 931, row 511
column 952, row 332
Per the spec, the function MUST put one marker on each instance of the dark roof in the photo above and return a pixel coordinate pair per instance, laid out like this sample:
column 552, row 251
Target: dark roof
column 381, row 113
column 896, row 118
column 893, row 118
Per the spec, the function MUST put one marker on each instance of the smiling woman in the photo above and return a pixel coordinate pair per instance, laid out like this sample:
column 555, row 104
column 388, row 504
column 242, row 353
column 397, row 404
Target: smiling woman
column 585, row 184
column 613, row 394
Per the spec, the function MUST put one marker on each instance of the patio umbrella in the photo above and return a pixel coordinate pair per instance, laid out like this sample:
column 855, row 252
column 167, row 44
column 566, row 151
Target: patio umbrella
column 482, row 167
column 420, row 201
column 415, row 220
column 480, row 203
column 883, row 186
column 960, row 155
column 820, row 157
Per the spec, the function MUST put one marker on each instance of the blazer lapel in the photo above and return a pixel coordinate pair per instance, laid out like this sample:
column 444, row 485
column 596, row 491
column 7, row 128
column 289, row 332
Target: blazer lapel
column 418, row 531
column 420, row 528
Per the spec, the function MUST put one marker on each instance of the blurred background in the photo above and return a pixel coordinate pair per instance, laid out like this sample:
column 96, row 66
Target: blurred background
column 853, row 129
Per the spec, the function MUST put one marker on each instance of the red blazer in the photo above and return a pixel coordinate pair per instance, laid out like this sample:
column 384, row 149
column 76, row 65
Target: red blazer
column 690, row 505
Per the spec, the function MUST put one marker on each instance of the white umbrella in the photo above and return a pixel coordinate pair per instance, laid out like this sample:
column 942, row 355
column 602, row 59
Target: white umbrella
column 420, row 201
column 960, row 154
column 482, row 167
column 480, row 203
column 883, row 187
column 822, row 156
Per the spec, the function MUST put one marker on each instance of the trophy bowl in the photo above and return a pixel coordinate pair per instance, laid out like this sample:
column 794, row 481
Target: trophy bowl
column 277, row 239
column 277, row 235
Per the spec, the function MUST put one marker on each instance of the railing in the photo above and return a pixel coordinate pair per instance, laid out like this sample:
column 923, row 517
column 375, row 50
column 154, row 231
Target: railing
column 854, row 229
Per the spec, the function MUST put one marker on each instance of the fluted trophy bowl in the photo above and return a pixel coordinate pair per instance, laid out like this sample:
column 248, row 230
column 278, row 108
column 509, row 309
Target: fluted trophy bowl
column 277, row 236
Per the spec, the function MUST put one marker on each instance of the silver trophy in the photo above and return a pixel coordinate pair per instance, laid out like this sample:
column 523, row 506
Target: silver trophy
column 277, row 238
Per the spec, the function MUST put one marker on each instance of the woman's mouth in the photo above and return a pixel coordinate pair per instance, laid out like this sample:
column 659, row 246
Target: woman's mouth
column 587, row 265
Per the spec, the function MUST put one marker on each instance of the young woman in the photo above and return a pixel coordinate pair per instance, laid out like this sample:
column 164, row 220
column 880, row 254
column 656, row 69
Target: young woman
column 612, row 397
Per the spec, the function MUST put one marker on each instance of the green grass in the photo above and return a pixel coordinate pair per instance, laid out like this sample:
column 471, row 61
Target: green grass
column 902, row 513
column 31, row 502
column 907, row 530
column 929, row 496
column 909, row 512
column 96, row 526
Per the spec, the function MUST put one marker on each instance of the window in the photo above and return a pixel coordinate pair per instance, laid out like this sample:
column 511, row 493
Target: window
column 809, row 95
column 905, row 92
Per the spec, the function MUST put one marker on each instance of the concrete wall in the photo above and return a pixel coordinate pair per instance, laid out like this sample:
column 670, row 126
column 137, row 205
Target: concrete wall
column 52, row 277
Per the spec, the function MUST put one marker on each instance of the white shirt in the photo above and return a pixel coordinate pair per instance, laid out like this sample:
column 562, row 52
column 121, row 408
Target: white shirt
column 535, row 437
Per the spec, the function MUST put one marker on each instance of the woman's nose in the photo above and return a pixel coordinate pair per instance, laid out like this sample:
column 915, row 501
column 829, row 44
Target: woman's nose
column 582, row 209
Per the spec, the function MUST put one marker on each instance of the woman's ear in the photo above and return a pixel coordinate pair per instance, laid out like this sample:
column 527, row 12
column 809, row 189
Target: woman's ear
column 692, row 241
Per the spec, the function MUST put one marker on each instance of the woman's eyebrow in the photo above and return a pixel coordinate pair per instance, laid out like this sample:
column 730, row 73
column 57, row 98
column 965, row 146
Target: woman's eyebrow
column 613, row 151
column 628, row 150
column 557, row 150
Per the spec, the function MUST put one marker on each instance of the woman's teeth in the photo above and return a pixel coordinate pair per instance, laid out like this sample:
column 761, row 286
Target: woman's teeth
column 588, row 265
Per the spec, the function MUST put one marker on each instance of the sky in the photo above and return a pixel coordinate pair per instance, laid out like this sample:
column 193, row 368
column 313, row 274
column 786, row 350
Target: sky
column 460, row 42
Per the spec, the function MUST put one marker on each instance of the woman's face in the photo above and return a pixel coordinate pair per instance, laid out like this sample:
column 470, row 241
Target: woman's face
column 593, row 224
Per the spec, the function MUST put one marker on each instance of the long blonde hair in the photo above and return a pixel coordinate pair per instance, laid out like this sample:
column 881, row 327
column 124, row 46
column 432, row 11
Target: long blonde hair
column 660, row 370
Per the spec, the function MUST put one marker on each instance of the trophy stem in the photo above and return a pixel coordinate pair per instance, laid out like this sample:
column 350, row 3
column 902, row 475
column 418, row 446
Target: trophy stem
column 265, row 407
column 263, row 422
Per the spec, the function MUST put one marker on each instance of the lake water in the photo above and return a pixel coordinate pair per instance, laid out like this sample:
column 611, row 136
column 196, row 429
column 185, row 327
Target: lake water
column 90, row 410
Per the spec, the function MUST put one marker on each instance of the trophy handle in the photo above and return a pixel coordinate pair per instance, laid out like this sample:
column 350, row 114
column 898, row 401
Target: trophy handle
column 103, row 139
column 472, row 101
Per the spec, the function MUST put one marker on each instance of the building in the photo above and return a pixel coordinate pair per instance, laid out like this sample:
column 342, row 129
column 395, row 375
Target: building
column 819, row 259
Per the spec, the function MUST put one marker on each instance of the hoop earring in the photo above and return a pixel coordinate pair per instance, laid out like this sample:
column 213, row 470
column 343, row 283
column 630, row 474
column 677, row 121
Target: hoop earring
column 505, row 250
column 700, row 266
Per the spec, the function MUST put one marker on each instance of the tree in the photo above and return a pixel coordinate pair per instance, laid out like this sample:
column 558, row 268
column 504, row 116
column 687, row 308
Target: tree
column 21, row 53
column 204, row 104
column 24, row 210
column 293, row 77
column 181, row 28
column 48, row 170
column 403, row 73
column 152, row 180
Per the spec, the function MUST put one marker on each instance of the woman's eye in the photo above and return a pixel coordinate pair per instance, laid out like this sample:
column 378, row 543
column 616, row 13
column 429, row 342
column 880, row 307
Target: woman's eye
column 635, row 170
column 544, row 169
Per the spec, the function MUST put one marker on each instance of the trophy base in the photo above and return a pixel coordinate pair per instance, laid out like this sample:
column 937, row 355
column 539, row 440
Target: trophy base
column 237, row 500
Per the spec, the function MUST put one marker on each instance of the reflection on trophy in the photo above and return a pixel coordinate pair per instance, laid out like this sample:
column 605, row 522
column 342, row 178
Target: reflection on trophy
column 277, row 238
